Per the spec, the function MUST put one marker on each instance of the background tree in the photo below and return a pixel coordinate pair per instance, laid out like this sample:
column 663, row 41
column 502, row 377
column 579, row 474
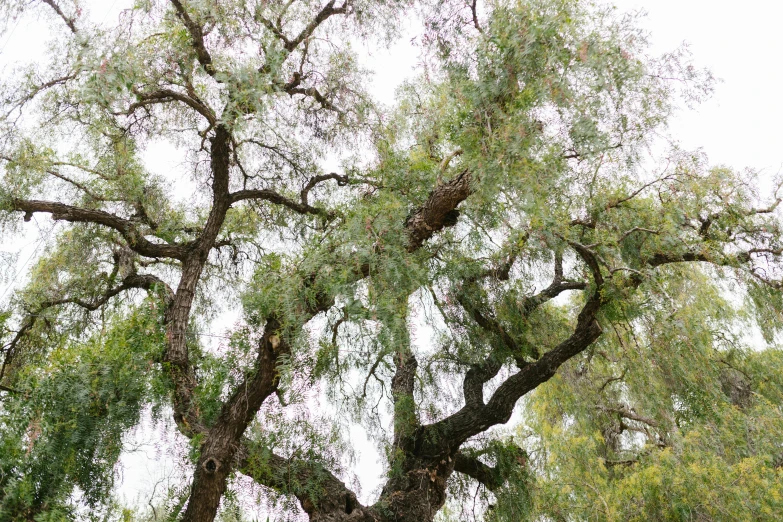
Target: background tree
column 503, row 202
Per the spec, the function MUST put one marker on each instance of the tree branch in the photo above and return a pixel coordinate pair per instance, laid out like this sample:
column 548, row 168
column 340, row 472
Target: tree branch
column 142, row 281
column 127, row 229
column 448, row 434
column 279, row 199
column 316, row 488
column 439, row 211
column 327, row 11
column 491, row 477
column 342, row 180
column 167, row 95
column 312, row 92
column 68, row 21
column 196, row 36
column 475, row 17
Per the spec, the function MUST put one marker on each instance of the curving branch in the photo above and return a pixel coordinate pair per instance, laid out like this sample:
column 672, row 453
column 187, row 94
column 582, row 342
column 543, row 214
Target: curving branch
column 162, row 96
column 35, row 91
column 628, row 413
column 312, row 92
column 70, row 22
column 127, row 229
column 558, row 286
column 324, row 14
column 279, row 199
column 492, row 477
column 480, row 373
column 450, row 433
column 342, row 180
column 147, row 282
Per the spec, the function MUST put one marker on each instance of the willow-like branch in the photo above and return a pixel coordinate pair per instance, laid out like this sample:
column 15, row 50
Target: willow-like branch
column 147, row 282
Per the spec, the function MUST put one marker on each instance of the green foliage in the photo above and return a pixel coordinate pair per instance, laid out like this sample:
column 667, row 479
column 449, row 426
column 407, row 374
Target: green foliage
column 545, row 107
column 667, row 418
column 63, row 427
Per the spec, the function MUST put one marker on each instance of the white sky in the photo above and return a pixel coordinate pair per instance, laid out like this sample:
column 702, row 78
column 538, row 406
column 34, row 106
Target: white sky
column 739, row 127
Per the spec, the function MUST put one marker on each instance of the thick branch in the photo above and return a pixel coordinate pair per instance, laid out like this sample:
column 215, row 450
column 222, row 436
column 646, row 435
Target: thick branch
column 439, row 211
column 402, row 388
column 136, row 241
column 448, row 434
column 196, row 37
column 479, row 374
column 491, row 477
column 221, row 442
column 279, row 199
column 317, row 489
column 167, row 95
column 476, row 376
column 193, row 263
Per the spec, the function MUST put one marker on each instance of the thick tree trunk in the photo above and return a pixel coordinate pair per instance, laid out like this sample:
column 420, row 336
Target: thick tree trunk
column 414, row 496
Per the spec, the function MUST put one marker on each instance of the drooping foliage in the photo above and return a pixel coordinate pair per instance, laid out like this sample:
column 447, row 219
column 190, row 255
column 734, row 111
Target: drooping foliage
column 64, row 424
column 500, row 236
column 673, row 416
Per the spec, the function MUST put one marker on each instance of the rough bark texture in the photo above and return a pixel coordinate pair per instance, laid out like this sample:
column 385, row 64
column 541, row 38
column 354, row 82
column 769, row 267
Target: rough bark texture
column 439, row 211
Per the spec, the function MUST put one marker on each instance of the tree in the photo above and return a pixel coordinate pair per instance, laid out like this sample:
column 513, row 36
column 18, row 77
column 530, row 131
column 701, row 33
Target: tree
column 504, row 202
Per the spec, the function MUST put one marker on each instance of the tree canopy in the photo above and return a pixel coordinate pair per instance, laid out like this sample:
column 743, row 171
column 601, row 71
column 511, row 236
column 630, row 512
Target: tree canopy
column 497, row 241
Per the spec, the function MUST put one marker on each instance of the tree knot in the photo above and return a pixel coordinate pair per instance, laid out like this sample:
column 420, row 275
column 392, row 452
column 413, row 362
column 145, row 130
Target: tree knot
column 211, row 465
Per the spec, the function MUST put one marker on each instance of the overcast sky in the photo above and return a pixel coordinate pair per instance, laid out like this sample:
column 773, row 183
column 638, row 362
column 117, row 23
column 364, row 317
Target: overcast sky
column 740, row 126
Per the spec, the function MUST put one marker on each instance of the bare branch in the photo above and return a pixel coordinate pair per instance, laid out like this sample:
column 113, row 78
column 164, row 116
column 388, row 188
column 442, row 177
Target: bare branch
column 628, row 413
column 316, row 94
column 342, row 180
column 475, row 17
column 37, row 89
column 558, row 286
column 326, row 12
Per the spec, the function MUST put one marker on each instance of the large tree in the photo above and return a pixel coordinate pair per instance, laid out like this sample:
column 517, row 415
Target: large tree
column 502, row 220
